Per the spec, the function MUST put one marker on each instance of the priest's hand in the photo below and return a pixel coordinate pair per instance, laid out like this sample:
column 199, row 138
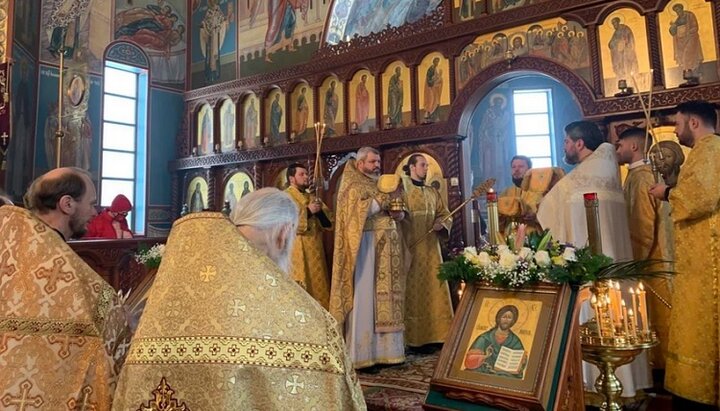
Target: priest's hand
column 397, row 215
column 437, row 226
column 314, row 207
column 658, row 190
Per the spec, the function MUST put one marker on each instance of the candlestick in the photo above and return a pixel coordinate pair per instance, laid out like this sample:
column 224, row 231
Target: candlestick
column 643, row 309
column 634, row 304
column 461, row 290
column 625, row 319
column 594, row 303
column 592, row 216
column 608, row 304
column 493, row 218
column 618, row 299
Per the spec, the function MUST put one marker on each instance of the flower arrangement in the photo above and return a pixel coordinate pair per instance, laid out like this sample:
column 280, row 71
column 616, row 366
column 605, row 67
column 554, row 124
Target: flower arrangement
column 150, row 257
column 537, row 257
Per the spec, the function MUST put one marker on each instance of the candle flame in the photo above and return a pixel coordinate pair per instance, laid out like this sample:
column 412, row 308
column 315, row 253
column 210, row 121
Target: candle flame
column 641, row 287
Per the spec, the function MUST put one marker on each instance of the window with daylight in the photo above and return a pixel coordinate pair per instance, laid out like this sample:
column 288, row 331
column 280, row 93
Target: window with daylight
column 124, row 139
column 533, row 125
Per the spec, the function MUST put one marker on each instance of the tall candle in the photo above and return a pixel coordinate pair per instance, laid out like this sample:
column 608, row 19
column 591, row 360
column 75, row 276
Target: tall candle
column 618, row 299
column 493, row 217
column 631, row 318
column 625, row 319
column 643, row 309
column 634, row 309
column 594, row 303
column 610, row 312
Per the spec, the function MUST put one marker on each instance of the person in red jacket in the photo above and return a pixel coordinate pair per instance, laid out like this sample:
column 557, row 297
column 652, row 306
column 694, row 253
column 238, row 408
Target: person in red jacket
column 111, row 222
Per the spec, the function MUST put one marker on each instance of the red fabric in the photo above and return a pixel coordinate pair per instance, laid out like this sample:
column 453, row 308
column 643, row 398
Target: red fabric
column 120, row 203
column 101, row 226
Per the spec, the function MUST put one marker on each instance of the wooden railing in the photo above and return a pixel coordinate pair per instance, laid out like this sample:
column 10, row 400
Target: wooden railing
column 114, row 259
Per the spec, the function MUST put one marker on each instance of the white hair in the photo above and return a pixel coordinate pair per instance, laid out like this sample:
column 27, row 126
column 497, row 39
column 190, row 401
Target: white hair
column 364, row 151
column 269, row 211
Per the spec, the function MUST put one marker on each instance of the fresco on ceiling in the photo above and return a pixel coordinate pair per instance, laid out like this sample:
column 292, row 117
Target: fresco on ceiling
column 20, row 147
column 470, row 9
column 79, row 27
column 360, row 18
column 562, row 41
column 160, row 28
column 273, row 35
column 214, row 36
column 25, row 25
column 80, row 120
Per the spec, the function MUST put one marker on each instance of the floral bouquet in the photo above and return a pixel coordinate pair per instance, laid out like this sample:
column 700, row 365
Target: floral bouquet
column 150, row 257
column 539, row 258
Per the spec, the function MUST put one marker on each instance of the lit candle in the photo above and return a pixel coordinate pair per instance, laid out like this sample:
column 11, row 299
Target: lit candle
column 461, row 290
column 631, row 318
column 643, row 309
column 618, row 298
column 608, row 304
column 634, row 310
column 625, row 319
column 594, row 303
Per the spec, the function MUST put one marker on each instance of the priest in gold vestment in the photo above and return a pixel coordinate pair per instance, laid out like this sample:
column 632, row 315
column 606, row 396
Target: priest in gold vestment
column 519, row 203
column 650, row 228
column 308, row 265
column 693, row 359
column 428, row 308
column 368, row 285
column 562, row 211
column 226, row 328
column 63, row 329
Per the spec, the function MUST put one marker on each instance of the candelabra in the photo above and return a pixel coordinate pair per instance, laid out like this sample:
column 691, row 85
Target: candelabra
column 618, row 333
column 615, row 336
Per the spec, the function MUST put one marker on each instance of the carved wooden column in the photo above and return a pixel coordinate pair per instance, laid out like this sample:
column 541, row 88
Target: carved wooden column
column 379, row 120
column 451, row 77
column 414, row 95
column 175, row 194
column 595, row 63
column 346, row 106
column 651, row 24
column 210, row 178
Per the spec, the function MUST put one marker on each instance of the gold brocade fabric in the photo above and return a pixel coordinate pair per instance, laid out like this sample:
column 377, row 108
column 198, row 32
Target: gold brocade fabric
column 428, row 308
column 355, row 196
column 650, row 235
column 308, row 264
column 63, row 329
column 693, row 355
column 225, row 329
column 390, row 274
column 520, row 204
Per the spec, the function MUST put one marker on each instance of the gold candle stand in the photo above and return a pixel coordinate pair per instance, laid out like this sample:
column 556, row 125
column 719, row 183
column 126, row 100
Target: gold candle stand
column 613, row 338
column 609, row 344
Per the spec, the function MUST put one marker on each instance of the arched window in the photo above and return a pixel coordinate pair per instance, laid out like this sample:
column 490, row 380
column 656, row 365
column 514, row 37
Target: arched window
column 124, row 130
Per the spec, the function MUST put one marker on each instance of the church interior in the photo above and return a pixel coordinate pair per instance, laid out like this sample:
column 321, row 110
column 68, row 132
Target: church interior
column 187, row 106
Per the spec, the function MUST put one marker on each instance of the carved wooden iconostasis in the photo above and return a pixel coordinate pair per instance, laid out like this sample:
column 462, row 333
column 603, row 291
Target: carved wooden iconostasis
column 436, row 78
